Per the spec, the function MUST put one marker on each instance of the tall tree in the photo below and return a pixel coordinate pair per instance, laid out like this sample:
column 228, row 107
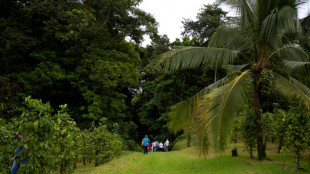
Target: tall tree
column 209, row 19
column 267, row 33
column 74, row 52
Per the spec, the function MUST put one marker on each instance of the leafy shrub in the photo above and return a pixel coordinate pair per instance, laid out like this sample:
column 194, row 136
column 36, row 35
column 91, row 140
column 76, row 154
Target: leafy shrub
column 106, row 145
column 66, row 137
column 131, row 145
column 8, row 145
column 297, row 131
column 249, row 130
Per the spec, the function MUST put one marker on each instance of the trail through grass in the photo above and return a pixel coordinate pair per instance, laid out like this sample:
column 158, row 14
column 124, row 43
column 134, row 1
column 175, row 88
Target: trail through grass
column 187, row 161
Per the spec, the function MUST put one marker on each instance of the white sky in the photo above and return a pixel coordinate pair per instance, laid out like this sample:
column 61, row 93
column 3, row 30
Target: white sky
column 170, row 13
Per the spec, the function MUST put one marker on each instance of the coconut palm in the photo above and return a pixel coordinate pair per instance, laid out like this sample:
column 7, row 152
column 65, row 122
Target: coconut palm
column 266, row 34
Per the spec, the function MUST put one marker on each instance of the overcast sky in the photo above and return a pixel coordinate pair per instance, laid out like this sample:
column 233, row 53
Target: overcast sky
column 170, row 13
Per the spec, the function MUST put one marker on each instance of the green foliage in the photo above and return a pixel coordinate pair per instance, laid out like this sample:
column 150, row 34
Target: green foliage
column 75, row 53
column 297, row 132
column 79, row 20
column 186, row 41
column 266, row 91
column 8, row 143
column 106, row 145
column 262, row 38
column 53, row 142
column 268, row 126
column 86, row 146
column 67, row 137
column 122, row 17
column 37, row 125
column 209, row 19
column 280, row 125
column 237, row 129
column 248, row 130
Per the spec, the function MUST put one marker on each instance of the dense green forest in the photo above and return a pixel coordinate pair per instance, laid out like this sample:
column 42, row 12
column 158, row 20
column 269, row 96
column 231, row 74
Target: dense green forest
column 76, row 80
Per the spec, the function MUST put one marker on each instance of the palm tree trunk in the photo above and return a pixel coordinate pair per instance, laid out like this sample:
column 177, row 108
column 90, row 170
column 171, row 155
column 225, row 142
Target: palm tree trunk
column 258, row 119
column 215, row 74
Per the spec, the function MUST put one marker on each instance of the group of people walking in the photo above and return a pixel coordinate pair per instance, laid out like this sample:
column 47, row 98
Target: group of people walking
column 154, row 146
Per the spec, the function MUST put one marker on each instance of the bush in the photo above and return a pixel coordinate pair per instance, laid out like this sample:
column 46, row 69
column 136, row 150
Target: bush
column 106, row 145
column 8, row 145
column 297, row 131
column 131, row 145
column 37, row 126
column 53, row 142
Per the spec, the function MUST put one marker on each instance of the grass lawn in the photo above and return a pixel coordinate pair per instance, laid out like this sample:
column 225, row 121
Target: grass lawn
column 187, row 161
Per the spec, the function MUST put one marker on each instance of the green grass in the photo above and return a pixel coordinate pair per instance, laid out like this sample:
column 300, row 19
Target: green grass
column 187, row 161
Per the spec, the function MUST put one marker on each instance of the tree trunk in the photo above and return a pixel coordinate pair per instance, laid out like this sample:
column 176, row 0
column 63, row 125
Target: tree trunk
column 62, row 165
column 215, row 74
column 297, row 158
column 234, row 153
column 280, row 144
column 265, row 143
column 74, row 165
column 258, row 119
column 189, row 140
column 61, row 169
column 96, row 158
column 251, row 152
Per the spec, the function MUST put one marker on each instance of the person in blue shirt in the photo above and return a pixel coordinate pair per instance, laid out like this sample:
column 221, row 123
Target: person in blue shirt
column 18, row 160
column 145, row 143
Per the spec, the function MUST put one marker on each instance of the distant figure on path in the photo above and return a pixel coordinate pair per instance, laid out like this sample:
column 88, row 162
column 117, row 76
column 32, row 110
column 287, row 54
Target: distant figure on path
column 161, row 146
column 19, row 151
column 149, row 148
column 154, row 145
column 145, row 143
column 166, row 145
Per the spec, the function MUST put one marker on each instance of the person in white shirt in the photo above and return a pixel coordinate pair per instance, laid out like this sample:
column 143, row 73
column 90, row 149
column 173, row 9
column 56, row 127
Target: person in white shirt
column 154, row 146
column 166, row 145
column 161, row 145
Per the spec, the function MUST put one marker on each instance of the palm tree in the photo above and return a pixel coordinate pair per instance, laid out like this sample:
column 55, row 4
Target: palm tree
column 267, row 33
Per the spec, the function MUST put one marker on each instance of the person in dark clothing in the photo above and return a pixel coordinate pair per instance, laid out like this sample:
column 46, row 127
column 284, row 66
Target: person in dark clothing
column 16, row 159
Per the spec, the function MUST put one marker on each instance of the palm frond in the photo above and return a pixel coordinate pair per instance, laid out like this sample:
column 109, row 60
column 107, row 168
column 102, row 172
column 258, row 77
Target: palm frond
column 232, row 38
column 291, row 52
column 293, row 90
column 296, row 66
column 232, row 69
column 245, row 8
column 216, row 111
column 300, row 86
column 288, row 20
column 195, row 57
column 182, row 114
column 268, row 27
column 279, row 22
